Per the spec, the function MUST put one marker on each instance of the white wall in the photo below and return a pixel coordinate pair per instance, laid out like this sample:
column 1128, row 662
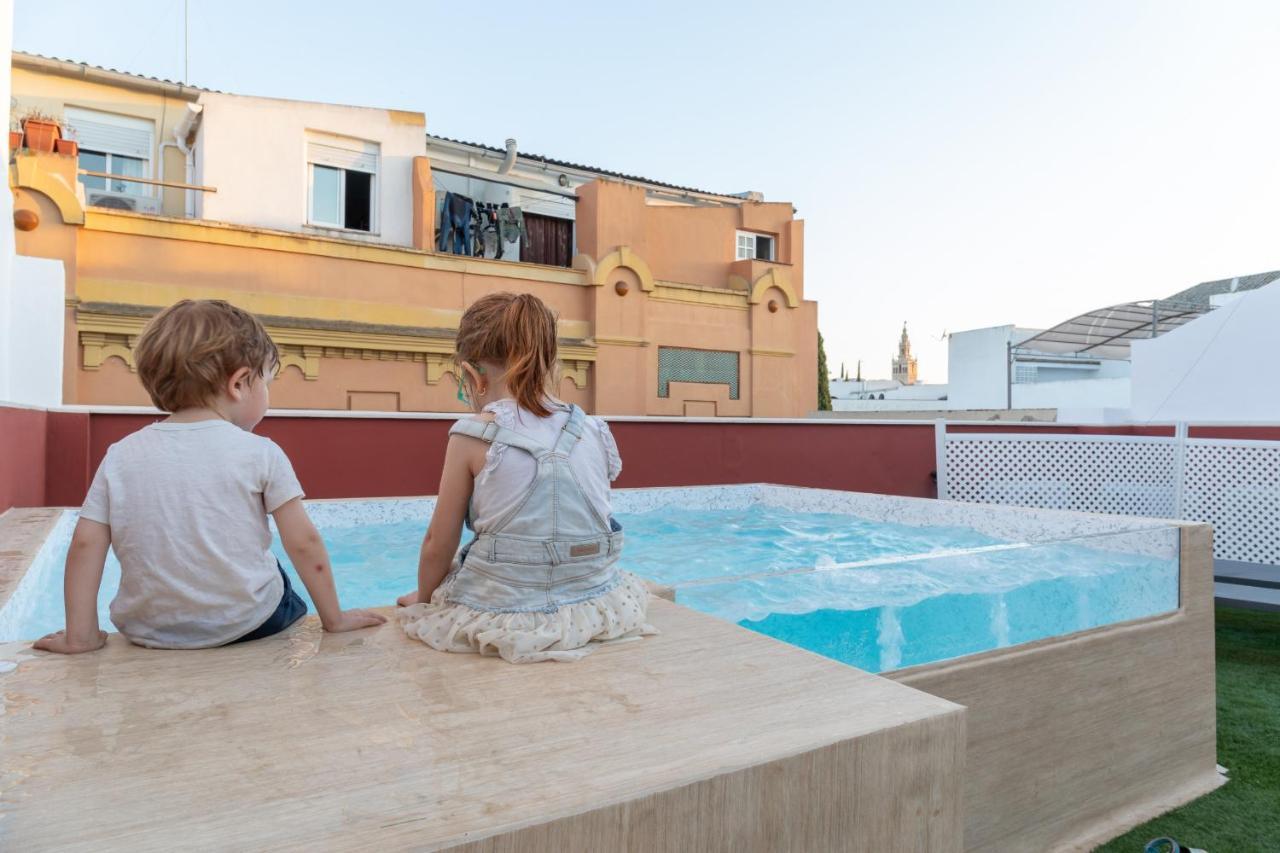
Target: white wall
column 254, row 151
column 1223, row 366
column 1097, row 393
column 36, row 332
column 6, row 211
column 977, row 368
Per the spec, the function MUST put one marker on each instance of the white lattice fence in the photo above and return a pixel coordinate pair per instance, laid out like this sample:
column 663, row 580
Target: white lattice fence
column 1235, row 486
column 1122, row 475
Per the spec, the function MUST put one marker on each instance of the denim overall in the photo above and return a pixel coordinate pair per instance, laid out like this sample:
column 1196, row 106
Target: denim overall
column 554, row 548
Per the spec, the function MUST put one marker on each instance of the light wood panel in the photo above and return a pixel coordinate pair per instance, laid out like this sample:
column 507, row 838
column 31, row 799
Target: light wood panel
column 708, row 737
column 1073, row 740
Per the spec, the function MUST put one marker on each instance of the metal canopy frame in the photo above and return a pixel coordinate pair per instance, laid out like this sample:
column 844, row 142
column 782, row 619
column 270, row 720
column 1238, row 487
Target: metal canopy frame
column 1104, row 333
column 1107, row 332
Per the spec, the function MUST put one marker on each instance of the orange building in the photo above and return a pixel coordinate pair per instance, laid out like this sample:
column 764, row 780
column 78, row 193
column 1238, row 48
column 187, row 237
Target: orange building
column 334, row 224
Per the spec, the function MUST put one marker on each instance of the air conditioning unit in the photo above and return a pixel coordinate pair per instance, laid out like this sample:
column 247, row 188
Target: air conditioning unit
column 123, row 201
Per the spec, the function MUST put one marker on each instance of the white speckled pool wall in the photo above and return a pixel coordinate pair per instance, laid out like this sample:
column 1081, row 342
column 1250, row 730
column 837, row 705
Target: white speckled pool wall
column 1011, row 524
column 1148, row 537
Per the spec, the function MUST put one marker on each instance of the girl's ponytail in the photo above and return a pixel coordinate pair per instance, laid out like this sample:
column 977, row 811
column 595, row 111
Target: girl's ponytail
column 529, row 330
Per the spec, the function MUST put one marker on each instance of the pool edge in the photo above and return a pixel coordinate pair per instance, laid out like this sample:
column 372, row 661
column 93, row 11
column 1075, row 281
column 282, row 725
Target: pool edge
column 23, row 533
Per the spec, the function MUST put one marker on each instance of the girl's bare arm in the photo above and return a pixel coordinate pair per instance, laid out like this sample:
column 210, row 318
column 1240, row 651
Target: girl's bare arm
column 463, row 460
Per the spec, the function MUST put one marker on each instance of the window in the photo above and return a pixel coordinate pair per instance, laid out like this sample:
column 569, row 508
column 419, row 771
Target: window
column 711, row 367
column 115, row 145
column 342, row 183
column 752, row 246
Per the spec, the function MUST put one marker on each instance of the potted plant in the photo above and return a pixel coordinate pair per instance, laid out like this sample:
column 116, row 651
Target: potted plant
column 39, row 131
column 66, row 144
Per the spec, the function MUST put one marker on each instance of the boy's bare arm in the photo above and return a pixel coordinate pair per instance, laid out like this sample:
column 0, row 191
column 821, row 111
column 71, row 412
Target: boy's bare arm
column 310, row 558
column 82, row 577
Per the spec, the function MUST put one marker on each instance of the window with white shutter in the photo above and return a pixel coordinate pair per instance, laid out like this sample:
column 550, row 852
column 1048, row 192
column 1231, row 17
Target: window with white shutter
column 114, row 144
column 342, row 182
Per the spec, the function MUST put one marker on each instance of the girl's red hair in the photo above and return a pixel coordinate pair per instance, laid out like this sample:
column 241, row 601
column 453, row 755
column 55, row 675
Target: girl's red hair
column 518, row 330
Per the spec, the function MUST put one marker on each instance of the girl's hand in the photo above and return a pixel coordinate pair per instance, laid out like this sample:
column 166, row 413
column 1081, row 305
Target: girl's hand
column 408, row 599
column 354, row 620
column 59, row 643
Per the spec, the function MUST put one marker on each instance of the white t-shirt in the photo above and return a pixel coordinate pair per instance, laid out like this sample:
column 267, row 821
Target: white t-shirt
column 187, row 504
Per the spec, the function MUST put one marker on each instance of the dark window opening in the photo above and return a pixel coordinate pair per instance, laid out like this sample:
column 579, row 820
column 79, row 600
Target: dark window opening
column 764, row 248
column 359, row 196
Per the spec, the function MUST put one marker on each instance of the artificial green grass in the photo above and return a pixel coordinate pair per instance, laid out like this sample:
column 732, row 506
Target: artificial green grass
column 1242, row 816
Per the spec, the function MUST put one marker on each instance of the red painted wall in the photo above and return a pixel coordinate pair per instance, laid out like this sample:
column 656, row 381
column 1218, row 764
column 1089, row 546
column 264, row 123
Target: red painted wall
column 48, row 459
column 22, row 457
column 1242, row 433
column 895, row 459
column 383, row 457
column 1067, row 429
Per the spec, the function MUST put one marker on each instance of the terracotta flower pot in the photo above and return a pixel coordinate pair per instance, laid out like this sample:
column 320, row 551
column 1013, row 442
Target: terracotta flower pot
column 40, row 134
column 15, row 140
column 67, row 147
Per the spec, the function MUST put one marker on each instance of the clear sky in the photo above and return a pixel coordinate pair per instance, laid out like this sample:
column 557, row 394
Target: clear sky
column 958, row 164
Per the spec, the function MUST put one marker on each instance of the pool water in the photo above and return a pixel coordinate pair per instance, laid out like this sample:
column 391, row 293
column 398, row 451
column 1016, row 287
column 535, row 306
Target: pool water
column 874, row 594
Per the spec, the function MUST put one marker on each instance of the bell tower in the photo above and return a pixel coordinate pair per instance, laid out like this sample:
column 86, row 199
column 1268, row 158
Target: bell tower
column 904, row 366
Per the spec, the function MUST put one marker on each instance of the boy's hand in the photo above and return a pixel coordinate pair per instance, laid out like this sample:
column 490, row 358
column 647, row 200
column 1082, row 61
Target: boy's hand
column 59, row 643
column 408, row 599
column 354, row 620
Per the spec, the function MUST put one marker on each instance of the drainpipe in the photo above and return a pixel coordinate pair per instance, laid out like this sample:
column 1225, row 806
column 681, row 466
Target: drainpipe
column 1008, row 375
column 185, row 130
column 508, row 161
column 160, row 170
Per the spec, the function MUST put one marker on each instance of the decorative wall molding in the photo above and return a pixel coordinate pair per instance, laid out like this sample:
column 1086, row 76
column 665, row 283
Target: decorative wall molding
column 100, row 346
column 104, row 335
column 623, row 256
column 28, row 172
column 774, row 277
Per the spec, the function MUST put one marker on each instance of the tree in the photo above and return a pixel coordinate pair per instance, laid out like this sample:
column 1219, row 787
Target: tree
column 824, row 381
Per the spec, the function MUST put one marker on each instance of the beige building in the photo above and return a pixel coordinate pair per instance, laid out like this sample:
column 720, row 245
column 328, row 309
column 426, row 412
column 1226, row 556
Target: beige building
column 338, row 226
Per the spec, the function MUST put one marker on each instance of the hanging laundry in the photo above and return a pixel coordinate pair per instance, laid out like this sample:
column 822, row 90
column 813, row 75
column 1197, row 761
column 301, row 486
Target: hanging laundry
column 456, row 217
column 511, row 220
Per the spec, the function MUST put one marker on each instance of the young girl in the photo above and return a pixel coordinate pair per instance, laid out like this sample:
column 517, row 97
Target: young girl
column 530, row 476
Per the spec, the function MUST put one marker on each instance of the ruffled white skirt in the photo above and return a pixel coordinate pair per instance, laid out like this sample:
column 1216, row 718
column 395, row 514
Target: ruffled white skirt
column 568, row 634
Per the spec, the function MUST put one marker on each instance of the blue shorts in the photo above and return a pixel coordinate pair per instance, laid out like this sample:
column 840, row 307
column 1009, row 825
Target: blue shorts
column 290, row 610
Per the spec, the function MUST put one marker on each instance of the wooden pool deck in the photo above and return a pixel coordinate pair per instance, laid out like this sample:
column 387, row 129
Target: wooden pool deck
column 707, row 737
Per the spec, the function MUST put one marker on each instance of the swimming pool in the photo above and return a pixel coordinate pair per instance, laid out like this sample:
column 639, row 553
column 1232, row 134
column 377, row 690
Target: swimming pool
column 878, row 583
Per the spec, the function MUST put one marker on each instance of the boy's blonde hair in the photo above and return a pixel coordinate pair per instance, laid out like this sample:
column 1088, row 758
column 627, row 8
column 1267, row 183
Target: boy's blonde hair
column 188, row 351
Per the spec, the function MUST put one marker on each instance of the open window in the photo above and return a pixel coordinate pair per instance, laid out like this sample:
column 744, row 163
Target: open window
column 342, row 178
column 114, row 148
column 753, row 246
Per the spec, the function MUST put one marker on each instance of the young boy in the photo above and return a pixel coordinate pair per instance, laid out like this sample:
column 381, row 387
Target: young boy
column 185, row 501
